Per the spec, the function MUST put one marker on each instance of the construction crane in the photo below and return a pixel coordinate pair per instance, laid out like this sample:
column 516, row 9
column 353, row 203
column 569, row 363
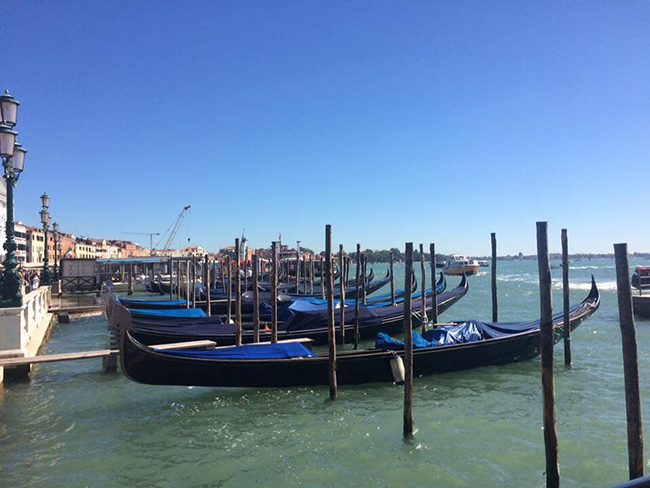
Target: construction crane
column 176, row 224
column 150, row 234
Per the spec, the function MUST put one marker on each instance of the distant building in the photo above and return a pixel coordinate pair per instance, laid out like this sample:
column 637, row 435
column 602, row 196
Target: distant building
column 67, row 245
column 196, row 251
column 35, row 245
column 20, row 236
column 85, row 249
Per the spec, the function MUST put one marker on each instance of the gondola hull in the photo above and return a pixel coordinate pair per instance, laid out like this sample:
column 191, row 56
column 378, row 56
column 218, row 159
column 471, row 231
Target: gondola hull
column 142, row 364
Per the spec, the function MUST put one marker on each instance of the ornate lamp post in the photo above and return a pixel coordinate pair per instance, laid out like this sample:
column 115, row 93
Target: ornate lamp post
column 13, row 162
column 55, row 229
column 46, row 278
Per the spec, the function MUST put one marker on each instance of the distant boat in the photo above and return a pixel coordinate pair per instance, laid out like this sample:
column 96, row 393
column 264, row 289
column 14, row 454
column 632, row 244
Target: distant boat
column 459, row 264
column 483, row 264
column 641, row 277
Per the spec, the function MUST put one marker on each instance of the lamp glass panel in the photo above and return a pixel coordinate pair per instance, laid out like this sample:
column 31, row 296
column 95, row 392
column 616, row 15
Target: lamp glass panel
column 45, row 200
column 18, row 161
column 7, row 140
column 9, row 113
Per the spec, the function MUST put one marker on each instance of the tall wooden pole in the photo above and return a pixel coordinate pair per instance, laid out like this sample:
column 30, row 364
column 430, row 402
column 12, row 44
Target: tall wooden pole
column 129, row 277
column 229, row 292
column 238, row 332
column 256, row 298
column 223, row 274
column 193, row 282
column 423, row 273
column 347, row 270
column 330, row 311
column 408, row 344
column 434, row 289
column 630, row 363
column 207, row 285
column 546, row 346
column 187, row 283
column 322, row 278
column 565, row 296
column 495, row 299
column 274, row 292
column 392, row 279
column 364, row 264
column 311, row 274
column 342, row 283
column 171, row 278
column 357, row 298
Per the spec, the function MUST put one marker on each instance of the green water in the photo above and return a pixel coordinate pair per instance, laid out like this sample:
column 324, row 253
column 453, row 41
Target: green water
column 73, row 425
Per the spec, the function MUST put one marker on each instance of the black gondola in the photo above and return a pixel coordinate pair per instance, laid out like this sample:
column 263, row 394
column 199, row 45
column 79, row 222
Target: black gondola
column 145, row 365
column 308, row 324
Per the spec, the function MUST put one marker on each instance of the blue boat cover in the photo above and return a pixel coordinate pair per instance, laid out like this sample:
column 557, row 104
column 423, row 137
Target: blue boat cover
column 285, row 350
column 131, row 302
column 466, row 331
column 172, row 312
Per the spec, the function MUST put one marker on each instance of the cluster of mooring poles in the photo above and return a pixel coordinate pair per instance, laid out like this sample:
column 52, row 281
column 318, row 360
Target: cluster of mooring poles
column 212, row 269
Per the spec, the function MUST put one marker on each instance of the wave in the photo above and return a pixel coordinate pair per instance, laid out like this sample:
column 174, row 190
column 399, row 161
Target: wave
column 591, row 267
column 602, row 285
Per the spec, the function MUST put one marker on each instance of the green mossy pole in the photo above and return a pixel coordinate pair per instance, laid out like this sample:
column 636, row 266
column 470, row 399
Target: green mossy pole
column 630, row 363
column 546, row 346
column 408, row 344
column 329, row 276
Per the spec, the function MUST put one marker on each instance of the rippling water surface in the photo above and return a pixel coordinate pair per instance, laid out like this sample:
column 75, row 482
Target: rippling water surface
column 73, row 425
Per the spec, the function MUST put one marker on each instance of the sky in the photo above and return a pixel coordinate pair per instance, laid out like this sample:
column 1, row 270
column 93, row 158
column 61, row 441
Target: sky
column 392, row 121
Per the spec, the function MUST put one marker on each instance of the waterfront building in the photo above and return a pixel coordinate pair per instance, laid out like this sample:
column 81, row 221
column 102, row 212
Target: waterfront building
column 20, row 232
column 67, row 246
column 106, row 249
column 35, row 245
column 85, row 249
column 196, row 251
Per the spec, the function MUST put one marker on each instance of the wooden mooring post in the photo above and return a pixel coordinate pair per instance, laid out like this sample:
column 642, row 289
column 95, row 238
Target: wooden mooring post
column 193, row 282
column 311, row 274
column 495, row 299
column 171, row 278
column 130, row 278
column 256, row 299
column 187, row 283
column 546, row 346
column 274, row 292
column 229, row 293
column 342, row 285
column 322, row 278
column 392, row 279
column 207, row 285
column 408, row 344
column 630, row 363
column 238, row 331
column 331, row 337
column 423, row 273
column 434, row 289
column 357, row 298
column 364, row 283
column 565, row 296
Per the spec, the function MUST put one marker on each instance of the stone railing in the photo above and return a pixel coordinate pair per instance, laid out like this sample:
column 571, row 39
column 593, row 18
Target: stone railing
column 22, row 329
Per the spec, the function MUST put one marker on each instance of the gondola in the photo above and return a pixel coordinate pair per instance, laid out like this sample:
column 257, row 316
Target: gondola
column 300, row 367
column 306, row 322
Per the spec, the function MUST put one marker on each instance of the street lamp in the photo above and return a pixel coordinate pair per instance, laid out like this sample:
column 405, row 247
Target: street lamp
column 13, row 162
column 46, row 279
column 55, row 229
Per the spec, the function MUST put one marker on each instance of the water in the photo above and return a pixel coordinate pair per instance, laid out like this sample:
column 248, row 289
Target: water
column 73, row 425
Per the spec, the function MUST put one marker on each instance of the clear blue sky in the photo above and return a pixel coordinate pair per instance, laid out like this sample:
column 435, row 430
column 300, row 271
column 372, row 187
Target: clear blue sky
column 393, row 121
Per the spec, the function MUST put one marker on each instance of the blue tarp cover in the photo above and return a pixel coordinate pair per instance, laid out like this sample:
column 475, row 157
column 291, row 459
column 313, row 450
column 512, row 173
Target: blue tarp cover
column 174, row 312
column 248, row 351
